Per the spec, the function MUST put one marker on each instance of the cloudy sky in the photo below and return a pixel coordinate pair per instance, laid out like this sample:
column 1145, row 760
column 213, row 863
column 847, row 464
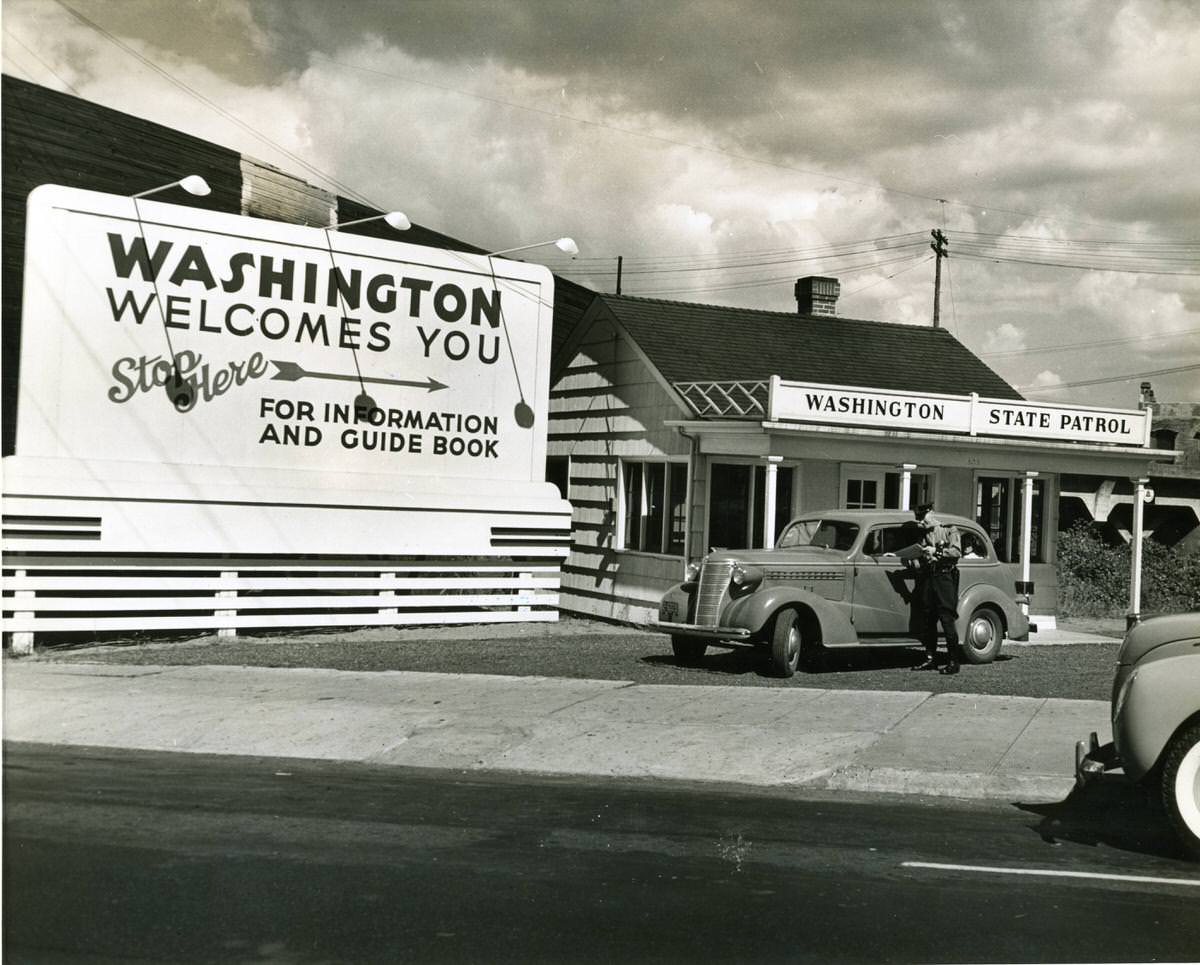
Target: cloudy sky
column 724, row 149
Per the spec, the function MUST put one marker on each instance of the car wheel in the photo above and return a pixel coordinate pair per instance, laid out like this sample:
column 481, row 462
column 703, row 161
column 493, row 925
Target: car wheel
column 688, row 650
column 785, row 643
column 1181, row 786
column 985, row 633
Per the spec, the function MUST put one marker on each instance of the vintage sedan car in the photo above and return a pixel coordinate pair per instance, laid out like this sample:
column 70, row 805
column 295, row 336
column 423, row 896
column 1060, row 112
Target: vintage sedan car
column 1156, row 719
column 836, row 579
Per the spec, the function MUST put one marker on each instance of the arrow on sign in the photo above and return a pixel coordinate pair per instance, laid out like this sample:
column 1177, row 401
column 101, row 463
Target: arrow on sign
column 291, row 372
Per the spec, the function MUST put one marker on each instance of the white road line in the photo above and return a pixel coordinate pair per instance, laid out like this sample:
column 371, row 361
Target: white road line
column 1144, row 879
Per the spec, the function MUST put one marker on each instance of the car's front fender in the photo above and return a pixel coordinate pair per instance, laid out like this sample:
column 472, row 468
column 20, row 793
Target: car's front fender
column 1161, row 693
column 756, row 609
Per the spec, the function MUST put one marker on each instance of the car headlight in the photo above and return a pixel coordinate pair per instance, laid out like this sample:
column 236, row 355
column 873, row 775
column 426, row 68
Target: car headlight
column 745, row 577
column 692, row 573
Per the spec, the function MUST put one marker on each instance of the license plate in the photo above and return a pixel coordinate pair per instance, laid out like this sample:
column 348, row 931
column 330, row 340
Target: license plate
column 668, row 611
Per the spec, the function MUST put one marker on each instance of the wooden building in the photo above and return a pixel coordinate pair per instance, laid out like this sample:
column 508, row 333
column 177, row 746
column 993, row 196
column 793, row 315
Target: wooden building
column 664, row 438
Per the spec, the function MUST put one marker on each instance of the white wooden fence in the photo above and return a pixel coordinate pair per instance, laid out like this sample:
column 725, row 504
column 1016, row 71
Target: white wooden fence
column 113, row 593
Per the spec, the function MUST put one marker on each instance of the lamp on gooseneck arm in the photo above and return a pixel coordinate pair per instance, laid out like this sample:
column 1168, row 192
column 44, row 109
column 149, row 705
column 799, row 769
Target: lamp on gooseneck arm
column 523, row 413
column 181, row 392
column 397, row 220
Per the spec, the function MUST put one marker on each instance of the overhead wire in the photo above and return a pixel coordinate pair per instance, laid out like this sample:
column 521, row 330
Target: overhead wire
column 1108, row 379
column 774, row 280
column 1095, row 343
column 1121, row 256
column 232, row 118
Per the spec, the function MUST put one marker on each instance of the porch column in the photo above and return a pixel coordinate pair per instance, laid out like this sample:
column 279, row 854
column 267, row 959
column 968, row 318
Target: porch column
column 1135, row 569
column 769, row 500
column 1026, row 536
column 906, row 471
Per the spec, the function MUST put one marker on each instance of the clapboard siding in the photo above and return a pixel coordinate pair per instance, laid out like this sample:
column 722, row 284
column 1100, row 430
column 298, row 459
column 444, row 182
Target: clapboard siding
column 606, row 405
column 268, row 192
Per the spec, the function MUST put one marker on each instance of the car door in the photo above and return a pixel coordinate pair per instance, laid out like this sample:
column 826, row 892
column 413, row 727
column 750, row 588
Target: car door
column 882, row 594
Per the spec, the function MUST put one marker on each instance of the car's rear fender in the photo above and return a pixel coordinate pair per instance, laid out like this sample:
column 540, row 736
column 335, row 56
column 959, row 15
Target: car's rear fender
column 1016, row 623
column 755, row 611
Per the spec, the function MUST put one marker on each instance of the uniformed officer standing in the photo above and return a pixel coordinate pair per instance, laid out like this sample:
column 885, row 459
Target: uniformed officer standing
column 936, row 590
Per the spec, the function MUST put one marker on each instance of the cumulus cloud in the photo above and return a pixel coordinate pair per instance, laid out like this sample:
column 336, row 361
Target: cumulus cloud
column 1006, row 338
column 1045, row 379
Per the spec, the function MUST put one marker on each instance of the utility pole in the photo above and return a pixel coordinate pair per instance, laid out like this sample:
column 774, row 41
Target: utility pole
column 938, row 245
column 619, row 260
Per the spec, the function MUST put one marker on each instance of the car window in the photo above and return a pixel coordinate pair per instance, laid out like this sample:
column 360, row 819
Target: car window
column 891, row 539
column 973, row 546
column 833, row 533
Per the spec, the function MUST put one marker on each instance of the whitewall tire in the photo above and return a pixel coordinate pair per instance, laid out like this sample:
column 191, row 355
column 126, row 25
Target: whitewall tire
column 1181, row 786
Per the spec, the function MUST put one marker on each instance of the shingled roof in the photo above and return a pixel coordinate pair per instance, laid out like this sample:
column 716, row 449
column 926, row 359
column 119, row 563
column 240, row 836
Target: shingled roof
column 691, row 343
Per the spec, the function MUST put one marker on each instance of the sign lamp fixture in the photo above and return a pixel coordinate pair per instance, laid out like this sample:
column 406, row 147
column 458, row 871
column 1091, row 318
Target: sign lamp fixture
column 181, row 393
column 395, row 219
column 565, row 245
column 192, row 184
column 398, row 220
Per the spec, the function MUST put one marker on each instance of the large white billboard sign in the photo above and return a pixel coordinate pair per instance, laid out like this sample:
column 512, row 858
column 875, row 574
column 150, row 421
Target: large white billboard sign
column 167, row 334
column 972, row 415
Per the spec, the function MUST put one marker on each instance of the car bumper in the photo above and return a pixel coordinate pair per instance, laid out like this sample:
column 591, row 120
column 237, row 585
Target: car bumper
column 1093, row 758
column 708, row 633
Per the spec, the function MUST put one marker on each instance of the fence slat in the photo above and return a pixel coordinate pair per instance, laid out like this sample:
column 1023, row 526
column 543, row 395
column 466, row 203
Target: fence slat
column 215, row 583
column 280, row 620
column 52, row 604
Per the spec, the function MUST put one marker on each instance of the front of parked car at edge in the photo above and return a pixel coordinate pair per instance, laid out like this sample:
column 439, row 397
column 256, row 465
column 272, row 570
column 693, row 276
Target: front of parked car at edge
column 1156, row 719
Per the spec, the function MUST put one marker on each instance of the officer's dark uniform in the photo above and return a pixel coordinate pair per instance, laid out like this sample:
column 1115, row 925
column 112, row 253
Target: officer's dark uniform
column 936, row 590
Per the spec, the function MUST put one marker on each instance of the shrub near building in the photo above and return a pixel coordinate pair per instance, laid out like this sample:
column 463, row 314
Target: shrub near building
column 1093, row 575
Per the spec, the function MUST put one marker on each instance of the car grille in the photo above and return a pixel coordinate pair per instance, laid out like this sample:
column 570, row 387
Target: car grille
column 714, row 580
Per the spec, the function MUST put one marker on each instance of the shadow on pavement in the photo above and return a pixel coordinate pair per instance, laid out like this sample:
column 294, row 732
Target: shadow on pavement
column 1109, row 812
column 738, row 660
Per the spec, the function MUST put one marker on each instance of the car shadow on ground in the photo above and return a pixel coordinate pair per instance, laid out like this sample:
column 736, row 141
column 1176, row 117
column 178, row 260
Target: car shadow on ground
column 1110, row 812
column 743, row 660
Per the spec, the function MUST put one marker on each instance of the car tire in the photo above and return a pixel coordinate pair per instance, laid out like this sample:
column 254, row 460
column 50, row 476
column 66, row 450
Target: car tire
column 1181, row 786
column 689, row 652
column 983, row 637
column 786, row 643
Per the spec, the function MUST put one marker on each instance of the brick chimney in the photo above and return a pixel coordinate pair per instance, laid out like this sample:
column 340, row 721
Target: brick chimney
column 1146, row 396
column 817, row 296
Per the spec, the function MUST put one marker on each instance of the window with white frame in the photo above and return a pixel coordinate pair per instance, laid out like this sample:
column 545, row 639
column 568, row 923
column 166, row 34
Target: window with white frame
column 653, row 506
column 736, row 496
column 874, row 487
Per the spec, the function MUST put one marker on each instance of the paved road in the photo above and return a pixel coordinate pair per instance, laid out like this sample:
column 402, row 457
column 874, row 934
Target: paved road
column 115, row 856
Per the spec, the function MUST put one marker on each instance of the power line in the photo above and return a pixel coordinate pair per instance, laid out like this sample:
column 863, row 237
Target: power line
column 1098, row 343
column 1114, row 378
column 1059, row 264
column 17, row 40
column 346, row 189
column 775, row 280
column 720, row 256
column 866, row 248
column 915, row 264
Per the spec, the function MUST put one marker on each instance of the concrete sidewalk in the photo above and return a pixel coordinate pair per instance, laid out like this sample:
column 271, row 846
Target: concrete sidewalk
column 1014, row 748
